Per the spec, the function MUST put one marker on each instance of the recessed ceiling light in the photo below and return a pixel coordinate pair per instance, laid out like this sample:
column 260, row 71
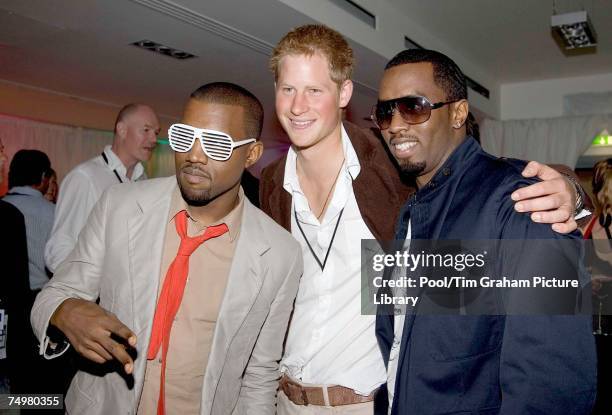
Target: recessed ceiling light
column 162, row 49
column 574, row 30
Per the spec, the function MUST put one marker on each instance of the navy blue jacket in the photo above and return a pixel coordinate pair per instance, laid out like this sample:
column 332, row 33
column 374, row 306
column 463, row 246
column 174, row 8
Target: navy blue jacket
column 485, row 364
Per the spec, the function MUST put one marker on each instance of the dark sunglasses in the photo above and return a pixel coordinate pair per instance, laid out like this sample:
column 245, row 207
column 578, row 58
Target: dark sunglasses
column 413, row 109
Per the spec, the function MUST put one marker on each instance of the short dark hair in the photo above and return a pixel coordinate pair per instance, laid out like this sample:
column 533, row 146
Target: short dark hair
column 472, row 128
column 28, row 168
column 231, row 94
column 446, row 73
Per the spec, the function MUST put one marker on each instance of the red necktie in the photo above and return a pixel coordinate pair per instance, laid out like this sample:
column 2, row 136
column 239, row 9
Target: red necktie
column 172, row 294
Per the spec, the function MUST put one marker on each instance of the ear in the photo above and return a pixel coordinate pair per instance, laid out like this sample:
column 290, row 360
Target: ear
column 346, row 91
column 121, row 129
column 43, row 185
column 459, row 113
column 255, row 152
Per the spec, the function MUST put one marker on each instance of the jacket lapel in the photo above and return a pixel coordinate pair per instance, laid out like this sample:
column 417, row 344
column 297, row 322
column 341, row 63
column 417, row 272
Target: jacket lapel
column 245, row 279
column 146, row 235
column 378, row 180
column 276, row 201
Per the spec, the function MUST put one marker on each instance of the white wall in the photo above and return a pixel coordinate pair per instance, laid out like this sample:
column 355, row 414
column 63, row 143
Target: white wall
column 388, row 39
column 544, row 99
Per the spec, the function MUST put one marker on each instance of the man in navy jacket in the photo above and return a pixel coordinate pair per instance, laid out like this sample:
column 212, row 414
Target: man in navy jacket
column 477, row 364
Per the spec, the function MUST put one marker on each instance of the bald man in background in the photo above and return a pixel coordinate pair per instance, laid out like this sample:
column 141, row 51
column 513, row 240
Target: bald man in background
column 136, row 130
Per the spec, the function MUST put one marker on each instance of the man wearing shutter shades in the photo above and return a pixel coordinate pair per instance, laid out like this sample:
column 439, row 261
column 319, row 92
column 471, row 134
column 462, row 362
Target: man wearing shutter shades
column 196, row 285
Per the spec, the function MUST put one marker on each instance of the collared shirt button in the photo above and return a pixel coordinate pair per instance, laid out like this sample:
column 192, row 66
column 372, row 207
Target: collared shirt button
column 446, row 171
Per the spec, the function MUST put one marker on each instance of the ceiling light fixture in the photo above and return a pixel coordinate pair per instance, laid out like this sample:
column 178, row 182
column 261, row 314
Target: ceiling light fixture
column 573, row 30
column 164, row 50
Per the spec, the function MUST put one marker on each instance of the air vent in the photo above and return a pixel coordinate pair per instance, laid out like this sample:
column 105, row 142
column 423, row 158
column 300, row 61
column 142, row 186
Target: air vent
column 204, row 22
column 164, row 50
column 356, row 11
column 473, row 85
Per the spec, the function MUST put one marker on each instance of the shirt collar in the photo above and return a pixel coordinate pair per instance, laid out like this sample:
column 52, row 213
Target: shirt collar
column 233, row 219
column 352, row 166
column 115, row 163
column 26, row 190
column 352, row 162
column 451, row 169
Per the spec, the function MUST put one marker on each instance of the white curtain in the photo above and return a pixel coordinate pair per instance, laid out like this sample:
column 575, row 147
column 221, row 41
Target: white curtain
column 66, row 146
column 551, row 141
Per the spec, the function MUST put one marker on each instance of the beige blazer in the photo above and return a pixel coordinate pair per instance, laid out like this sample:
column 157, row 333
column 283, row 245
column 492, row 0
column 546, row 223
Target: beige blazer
column 118, row 259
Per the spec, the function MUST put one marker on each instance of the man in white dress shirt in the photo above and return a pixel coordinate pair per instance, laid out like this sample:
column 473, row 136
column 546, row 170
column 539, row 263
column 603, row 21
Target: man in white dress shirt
column 136, row 130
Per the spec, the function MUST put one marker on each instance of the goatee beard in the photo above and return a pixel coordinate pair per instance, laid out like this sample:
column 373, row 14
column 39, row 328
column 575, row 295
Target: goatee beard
column 412, row 169
column 195, row 200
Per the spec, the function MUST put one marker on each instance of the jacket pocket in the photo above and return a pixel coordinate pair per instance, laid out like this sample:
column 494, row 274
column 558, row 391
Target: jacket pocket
column 485, row 411
column 461, row 337
column 79, row 399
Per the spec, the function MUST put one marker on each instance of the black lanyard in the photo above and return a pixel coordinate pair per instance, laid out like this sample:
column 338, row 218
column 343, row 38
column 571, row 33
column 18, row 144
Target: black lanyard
column 322, row 265
column 115, row 170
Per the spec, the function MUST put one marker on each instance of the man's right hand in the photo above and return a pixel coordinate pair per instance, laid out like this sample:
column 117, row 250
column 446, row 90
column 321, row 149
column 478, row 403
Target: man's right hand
column 89, row 327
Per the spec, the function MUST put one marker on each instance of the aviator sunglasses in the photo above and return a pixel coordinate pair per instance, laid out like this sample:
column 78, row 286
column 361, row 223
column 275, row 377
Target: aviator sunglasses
column 413, row 109
column 216, row 144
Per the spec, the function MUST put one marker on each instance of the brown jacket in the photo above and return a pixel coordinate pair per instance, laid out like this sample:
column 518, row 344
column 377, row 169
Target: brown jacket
column 379, row 192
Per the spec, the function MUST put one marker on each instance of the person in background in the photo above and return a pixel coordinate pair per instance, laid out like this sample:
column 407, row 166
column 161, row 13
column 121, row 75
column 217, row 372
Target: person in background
column 599, row 255
column 29, row 174
column 599, row 225
column 53, row 189
column 15, row 293
column 136, row 130
column 28, row 177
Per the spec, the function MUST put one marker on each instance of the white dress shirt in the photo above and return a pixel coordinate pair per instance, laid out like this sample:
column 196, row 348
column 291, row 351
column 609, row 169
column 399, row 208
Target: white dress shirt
column 398, row 330
column 38, row 217
column 329, row 341
column 79, row 192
